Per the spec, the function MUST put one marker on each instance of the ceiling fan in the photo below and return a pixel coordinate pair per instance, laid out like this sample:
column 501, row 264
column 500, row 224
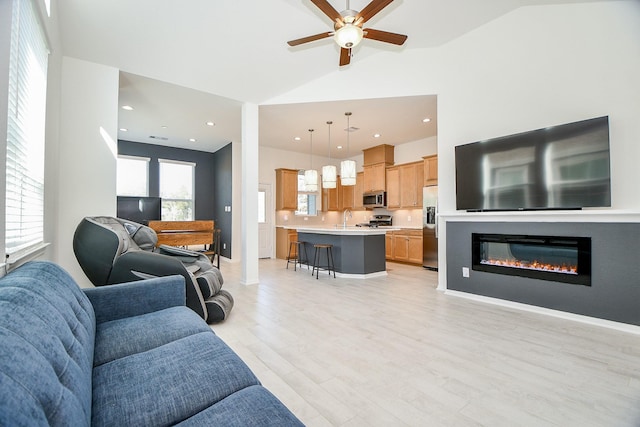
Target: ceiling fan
column 348, row 28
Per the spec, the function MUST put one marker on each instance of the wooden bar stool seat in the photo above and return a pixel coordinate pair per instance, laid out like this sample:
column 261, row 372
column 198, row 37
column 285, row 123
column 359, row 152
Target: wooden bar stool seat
column 329, row 267
column 295, row 254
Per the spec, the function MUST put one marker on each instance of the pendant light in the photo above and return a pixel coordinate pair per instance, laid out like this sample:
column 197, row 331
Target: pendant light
column 311, row 175
column 348, row 167
column 329, row 172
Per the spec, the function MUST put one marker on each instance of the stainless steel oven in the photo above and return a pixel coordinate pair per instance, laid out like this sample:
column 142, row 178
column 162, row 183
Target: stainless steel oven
column 376, row 199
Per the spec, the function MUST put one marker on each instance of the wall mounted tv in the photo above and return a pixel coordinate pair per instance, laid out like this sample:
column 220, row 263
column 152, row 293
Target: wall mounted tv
column 139, row 209
column 559, row 167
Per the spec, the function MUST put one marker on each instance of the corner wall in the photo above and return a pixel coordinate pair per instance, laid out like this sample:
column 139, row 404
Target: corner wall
column 87, row 152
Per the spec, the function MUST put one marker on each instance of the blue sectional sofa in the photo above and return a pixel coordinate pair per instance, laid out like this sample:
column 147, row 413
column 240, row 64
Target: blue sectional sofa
column 123, row 355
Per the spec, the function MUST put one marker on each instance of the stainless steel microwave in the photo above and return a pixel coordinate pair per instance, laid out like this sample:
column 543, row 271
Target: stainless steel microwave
column 376, row 199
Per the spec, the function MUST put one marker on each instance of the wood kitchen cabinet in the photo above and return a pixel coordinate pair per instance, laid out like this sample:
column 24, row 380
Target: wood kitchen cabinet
column 393, row 187
column 405, row 246
column 388, row 245
column 347, row 198
column 411, row 183
column 430, row 170
column 383, row 153
column 332, row 197
column 284, row 236
column 404, row 186
column 286, row 189
column 374, row 177
column 358, row 191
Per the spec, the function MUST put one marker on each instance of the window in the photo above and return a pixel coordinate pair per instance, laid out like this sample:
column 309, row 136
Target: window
column 306, row 200
column 24, row 198
column 133, row 176
column 176, row 190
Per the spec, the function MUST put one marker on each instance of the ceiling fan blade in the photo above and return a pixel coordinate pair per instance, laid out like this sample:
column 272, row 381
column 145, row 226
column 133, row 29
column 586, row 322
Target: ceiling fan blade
column 371, row 10
column 345, row 56
column 308, row 39
column 328, row 10
column 384, row 36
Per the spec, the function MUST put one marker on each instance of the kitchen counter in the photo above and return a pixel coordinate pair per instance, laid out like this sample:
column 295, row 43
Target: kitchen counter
column 358, row 252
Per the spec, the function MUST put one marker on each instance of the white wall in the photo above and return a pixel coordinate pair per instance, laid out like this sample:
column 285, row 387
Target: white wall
column 87, row 152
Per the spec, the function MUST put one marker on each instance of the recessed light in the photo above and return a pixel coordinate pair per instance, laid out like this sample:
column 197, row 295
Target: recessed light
column 192, row 140
column 124, row 130
column 426, row 120
column 127, row 107
column 297, row 138
column 339, row 147
column 376, row 135
column 210, row 123
column 163, row 127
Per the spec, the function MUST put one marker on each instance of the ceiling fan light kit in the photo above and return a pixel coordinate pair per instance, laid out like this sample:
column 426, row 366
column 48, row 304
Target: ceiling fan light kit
column 348, row 28
column 348, row 36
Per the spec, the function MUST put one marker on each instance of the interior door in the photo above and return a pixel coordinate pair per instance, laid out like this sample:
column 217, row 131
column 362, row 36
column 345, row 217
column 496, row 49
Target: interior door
column 265, row 231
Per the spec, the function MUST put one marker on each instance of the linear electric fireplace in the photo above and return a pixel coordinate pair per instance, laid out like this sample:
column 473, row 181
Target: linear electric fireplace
column 555, row 258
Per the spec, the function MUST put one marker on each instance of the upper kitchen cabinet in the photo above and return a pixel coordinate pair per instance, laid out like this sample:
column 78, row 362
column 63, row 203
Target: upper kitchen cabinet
column 374, row 177
column 393, row 187
column 348, row 191
column 332, row 197
column 358, row 191
column 404, row 186
column 411, row 183
column 376, row 159
column 286, row 189
column 430, row 170
column 379, row 154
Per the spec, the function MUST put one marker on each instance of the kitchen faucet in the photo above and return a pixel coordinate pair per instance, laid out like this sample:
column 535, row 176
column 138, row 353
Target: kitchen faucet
column 344, row 217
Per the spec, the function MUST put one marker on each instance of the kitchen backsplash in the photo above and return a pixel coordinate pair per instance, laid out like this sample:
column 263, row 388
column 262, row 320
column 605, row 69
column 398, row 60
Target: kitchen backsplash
column 406, row 218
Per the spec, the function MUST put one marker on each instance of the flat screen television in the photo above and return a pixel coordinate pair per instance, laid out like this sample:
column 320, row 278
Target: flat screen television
column 559, row 167
column 139, row 209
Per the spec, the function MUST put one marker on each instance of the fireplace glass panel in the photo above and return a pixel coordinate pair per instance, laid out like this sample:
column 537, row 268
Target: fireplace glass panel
column 563, row 259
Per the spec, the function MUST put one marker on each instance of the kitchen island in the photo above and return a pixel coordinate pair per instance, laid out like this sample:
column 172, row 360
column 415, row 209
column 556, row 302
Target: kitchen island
column 357, row 251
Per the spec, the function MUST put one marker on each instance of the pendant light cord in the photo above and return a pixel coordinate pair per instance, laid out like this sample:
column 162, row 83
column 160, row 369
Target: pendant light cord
column 348, row 114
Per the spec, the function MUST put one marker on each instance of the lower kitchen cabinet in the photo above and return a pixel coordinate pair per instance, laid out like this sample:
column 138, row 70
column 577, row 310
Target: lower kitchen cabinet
column 284, row 236
column 404, row 246
column 388, row 245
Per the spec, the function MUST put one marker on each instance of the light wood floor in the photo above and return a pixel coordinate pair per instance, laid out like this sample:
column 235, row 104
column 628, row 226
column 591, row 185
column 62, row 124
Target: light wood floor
column 393, row 351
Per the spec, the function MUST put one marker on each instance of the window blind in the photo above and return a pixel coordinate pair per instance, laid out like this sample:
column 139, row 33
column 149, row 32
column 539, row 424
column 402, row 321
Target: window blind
column 24, row 218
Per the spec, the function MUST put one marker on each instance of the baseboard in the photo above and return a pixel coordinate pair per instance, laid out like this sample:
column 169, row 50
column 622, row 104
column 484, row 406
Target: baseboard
column 623, row 327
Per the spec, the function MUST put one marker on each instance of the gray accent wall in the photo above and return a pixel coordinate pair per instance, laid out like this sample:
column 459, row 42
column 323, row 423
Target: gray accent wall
column 213, row 177
column 614, row 293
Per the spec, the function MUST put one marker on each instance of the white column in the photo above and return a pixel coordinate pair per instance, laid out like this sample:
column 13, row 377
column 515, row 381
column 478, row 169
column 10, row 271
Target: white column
column 249, row 194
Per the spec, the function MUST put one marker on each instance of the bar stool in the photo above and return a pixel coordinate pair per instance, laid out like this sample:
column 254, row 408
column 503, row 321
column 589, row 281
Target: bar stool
column 295, row 246
column 316, row 259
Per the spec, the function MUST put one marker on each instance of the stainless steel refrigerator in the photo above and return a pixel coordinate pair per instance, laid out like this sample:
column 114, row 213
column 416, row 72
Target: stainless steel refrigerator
column 430, row 227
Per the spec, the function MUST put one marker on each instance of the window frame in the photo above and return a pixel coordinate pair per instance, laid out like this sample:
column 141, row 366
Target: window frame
column 26, row 118
column 302, row 193
column 147, row 161
column 192, row 200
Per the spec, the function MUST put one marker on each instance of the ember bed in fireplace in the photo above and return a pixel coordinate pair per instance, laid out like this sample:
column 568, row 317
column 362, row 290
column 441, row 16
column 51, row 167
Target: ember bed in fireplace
column 556, row 258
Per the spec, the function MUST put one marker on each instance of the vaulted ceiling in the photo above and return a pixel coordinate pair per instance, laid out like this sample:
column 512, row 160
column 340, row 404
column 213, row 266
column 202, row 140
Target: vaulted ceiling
column 187, row 62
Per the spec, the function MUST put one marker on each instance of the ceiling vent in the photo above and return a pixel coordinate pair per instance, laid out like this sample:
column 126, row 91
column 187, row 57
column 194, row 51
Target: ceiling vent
column 161, row 138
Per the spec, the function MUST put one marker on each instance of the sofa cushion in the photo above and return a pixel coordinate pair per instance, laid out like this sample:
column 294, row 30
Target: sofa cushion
column 124, row 337
column 167, row 384
column 46, row 352
column 251, row 406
